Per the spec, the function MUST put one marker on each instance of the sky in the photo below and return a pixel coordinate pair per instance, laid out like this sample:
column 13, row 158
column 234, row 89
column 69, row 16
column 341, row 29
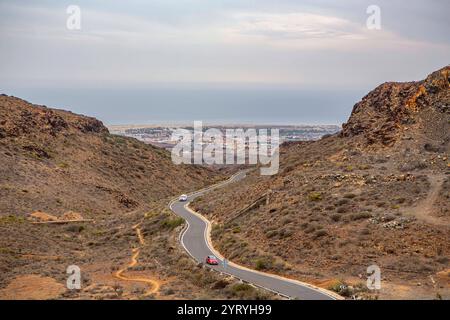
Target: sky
column 280, row 61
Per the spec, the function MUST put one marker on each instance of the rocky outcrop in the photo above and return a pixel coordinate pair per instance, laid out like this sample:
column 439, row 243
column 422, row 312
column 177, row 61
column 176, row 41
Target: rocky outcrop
column 18, row 117
column 382, row 114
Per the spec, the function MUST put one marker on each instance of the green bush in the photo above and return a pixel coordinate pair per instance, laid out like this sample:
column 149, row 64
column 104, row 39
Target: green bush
column 8, row 220
column 236, row 229
column 262, row 264
column 315, row 196
column 245, row 291
column 63, row 165
column 240, row 288
column 172, row 223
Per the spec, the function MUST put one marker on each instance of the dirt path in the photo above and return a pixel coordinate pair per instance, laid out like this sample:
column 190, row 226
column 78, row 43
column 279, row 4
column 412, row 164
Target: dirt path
column 424, row 210
column 153, row 284
column 139, row 234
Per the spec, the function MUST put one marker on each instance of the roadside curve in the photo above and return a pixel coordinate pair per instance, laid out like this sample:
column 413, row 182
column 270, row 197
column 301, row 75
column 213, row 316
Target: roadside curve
column 195, row 238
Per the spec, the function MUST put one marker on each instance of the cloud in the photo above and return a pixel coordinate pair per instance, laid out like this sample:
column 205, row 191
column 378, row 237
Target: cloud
column 138, row 43
column 295, row 26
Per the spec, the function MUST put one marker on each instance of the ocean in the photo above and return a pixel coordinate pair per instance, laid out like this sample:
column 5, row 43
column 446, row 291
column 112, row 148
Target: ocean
column 210, row 105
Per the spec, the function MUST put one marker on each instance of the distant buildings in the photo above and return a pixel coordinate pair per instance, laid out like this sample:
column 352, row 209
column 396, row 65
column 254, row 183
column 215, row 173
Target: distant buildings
column 161, row 135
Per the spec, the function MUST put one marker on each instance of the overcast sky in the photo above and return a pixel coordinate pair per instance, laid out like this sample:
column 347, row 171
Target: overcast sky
column 305, row 46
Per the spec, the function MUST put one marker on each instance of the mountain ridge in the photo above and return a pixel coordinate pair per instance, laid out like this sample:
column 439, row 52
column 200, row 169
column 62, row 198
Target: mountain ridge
column 382, row 114
column 73, row 194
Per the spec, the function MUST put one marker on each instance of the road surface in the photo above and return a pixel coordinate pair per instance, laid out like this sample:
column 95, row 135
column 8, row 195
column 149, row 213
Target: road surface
column 195, row 239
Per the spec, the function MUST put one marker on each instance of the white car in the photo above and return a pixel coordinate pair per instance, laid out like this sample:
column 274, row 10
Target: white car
column 183, row 197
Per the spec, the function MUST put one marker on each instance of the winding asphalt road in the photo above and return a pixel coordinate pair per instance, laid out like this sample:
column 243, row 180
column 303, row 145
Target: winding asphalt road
column 195, row 239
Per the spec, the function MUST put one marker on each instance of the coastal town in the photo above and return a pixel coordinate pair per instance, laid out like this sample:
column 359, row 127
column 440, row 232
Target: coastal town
column 161, row 135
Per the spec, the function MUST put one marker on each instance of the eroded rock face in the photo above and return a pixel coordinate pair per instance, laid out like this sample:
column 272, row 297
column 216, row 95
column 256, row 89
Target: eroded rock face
column 381, row 116
column 18, row 117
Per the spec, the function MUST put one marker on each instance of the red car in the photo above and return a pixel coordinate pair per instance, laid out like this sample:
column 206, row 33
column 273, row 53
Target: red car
column 212, row 260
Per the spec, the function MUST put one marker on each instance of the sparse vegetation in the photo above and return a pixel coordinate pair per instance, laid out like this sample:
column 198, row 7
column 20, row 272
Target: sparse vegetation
column 351, row 197
column 63, row 165
column 64, row 162
column 262, row 264
column 315, row 196
column 172, row 223
column 338, row 204
column 11, row 220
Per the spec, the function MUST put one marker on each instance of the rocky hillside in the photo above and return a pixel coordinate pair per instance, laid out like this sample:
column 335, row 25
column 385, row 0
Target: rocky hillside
column 376, row 193
column 57, row 167
column 386, row 113
column 54, row 160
